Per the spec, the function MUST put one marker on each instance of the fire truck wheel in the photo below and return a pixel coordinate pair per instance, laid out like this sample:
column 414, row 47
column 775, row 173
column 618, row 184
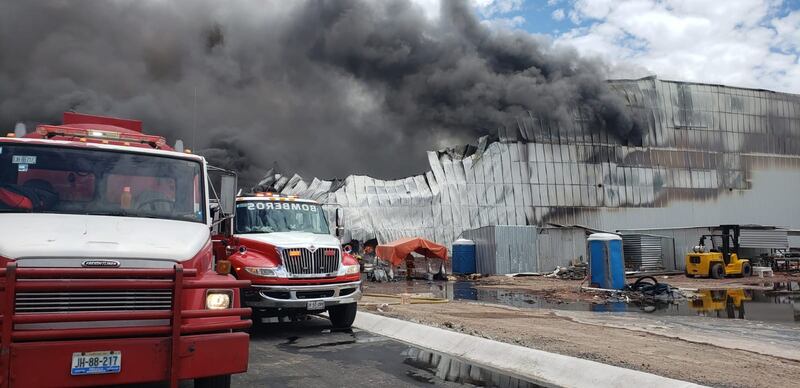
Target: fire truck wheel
column 213, row 382
column 342, row 316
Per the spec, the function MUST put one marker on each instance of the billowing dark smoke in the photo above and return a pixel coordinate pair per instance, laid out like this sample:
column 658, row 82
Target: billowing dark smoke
column 326, row 88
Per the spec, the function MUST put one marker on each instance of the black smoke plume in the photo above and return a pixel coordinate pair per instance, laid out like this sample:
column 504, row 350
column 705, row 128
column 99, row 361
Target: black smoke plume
column 326, row 88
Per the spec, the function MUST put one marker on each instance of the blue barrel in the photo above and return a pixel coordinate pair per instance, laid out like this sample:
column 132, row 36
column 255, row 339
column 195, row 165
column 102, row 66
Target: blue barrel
column 464, row 256
column 606, row 266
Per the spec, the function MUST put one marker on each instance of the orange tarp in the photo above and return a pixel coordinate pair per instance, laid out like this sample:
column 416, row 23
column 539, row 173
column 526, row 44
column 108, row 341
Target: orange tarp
column 396, row 252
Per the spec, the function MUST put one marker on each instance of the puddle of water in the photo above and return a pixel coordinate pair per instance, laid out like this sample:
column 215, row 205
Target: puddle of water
column 452, row 369
column 781, row 303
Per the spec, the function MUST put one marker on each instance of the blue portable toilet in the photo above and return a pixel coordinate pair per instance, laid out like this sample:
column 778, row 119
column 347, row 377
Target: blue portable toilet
column 606, row 266
column 464, row 256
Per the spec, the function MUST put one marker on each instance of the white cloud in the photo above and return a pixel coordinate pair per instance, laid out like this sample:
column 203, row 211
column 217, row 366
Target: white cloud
column 558, row 14
column 504, row 23
column 787, row 32
column 489, row 8
column 735, row 42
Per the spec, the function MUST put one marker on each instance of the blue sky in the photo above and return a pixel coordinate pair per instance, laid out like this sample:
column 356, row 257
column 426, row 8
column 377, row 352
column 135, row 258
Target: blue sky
column 750, row 43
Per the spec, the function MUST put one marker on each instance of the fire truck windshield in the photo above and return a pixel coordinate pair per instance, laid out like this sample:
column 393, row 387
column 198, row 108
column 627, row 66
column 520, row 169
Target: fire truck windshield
column 280, row 216
column 48, row 179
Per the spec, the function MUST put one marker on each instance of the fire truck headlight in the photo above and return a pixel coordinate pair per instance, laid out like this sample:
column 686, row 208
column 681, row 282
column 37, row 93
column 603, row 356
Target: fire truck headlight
column 218, row 299
column 352, row 269
column 261, row 271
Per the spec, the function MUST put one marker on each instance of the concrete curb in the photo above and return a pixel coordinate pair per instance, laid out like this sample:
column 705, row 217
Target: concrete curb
column 543, row 368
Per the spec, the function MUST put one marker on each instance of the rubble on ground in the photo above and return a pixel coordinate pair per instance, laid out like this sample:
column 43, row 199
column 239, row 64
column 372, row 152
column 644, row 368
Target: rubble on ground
column 577, row 271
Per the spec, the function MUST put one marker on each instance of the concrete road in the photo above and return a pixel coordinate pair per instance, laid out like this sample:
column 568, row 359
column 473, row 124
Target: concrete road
column 309, row 354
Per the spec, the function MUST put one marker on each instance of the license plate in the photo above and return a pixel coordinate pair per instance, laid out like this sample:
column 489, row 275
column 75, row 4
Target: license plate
column 315, row 305
column 94, row 363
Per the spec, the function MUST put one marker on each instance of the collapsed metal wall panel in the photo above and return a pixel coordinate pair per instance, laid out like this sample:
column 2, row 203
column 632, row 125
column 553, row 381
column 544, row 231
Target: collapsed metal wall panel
column 709, row 153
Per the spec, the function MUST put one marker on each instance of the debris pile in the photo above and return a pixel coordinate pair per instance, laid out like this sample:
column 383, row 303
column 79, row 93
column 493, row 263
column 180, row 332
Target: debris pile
column 648, row 290
column 573, row 272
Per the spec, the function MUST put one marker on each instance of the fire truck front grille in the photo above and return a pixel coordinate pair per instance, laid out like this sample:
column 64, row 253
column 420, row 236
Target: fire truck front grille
column 301, row 261
column 55, row 302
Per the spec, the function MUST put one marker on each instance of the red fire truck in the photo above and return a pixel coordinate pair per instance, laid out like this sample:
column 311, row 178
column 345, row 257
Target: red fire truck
column 296, row 266
column 107, row 273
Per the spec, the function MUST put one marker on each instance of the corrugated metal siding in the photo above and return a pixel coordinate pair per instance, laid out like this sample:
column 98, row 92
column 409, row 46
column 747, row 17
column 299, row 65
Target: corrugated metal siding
column 676, row 244
column 558, row 247
column 504, row 249
column 485, row 248
column 764, row 238
column 643, row 252
column 794, row 242
column 516, row 249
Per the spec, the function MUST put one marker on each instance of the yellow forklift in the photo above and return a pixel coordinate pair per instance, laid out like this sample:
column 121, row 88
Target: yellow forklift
column 722, row 260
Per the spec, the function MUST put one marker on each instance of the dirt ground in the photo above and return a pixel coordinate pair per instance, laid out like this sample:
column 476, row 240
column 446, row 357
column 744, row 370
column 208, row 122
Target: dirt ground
column 545, row 330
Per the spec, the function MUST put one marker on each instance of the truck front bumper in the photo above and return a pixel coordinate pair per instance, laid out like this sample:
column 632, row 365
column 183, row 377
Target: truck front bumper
column 297, row 296
column 47, row 363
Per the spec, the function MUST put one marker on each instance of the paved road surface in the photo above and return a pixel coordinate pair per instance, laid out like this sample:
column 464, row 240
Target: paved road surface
column 309, row 354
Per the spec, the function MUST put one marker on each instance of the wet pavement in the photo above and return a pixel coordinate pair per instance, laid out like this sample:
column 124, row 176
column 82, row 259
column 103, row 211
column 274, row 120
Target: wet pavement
column 310, row 354
column 780, row 302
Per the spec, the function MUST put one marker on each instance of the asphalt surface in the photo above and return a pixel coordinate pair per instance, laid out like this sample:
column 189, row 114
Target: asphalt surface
column 310, row 354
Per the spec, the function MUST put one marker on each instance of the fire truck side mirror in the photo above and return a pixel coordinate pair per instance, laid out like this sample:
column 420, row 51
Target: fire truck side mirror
column 339, row 222
column 227, row 200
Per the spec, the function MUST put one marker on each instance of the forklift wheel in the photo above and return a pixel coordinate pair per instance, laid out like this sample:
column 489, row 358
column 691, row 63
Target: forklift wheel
column 747, row 270
column 688, row 275
column 717, row 272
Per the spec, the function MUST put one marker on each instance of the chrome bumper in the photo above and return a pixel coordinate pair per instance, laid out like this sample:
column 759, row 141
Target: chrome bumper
column 274, row 296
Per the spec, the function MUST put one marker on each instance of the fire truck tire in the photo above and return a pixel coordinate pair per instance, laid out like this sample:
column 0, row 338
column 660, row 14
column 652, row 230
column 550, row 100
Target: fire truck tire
column 223, row 381
column 717, row 271
column 342, row 316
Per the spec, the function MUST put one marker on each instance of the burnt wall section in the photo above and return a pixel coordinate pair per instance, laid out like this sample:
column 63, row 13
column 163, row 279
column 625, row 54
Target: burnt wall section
column 701, row 145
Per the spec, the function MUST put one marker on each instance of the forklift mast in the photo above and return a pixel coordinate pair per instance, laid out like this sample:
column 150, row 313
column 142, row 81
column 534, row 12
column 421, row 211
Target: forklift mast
column 727, row 249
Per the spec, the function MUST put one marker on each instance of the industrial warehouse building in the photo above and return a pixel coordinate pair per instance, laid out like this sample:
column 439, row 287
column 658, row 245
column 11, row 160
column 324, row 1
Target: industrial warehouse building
column 709, row 155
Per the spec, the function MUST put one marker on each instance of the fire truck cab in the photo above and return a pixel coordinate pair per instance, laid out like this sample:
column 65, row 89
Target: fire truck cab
column 107, row 275
column 296, row 266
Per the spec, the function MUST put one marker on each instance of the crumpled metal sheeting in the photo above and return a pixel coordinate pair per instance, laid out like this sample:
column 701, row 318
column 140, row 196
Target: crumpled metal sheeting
column 699, row 141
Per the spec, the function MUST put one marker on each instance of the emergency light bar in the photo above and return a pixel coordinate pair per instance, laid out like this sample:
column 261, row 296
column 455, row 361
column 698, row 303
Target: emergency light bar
column 270, row 195
column 105, row 136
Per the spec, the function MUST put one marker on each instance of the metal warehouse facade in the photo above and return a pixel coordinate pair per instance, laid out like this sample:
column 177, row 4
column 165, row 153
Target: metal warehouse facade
column 708, row 155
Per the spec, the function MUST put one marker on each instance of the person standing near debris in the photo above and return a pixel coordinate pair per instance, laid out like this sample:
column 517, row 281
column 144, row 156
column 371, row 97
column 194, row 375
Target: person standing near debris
column 409, row 266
